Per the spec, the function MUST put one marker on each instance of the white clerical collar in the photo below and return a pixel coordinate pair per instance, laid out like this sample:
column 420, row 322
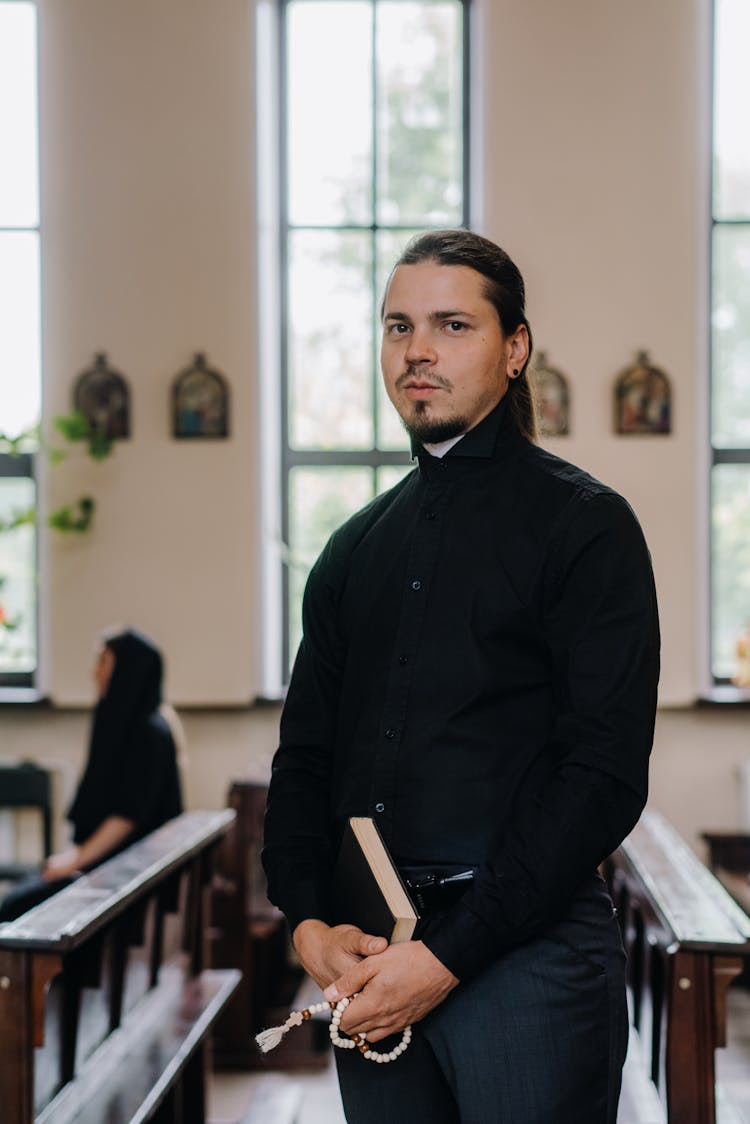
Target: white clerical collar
column 442, row 447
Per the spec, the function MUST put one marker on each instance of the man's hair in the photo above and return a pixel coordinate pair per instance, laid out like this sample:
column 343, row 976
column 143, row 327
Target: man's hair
column 504, row 289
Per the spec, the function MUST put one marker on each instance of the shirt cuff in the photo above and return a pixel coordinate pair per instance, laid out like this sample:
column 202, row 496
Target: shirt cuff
column 306, row 904
column 462, row 942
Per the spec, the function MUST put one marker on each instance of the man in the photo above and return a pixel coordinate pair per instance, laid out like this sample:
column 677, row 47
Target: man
column 478, row 673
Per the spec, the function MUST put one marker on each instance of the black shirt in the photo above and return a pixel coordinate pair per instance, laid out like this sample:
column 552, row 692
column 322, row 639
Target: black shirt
column 478, row 673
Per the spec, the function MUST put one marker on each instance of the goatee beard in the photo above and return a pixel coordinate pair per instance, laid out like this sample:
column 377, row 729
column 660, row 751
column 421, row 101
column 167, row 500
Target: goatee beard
column 427, row 431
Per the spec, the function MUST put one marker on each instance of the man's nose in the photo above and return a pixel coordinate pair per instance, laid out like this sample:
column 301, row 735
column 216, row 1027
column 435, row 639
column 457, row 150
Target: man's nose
column 421, row 348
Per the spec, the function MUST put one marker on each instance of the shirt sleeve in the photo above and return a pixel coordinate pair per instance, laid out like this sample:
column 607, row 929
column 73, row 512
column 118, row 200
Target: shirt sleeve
column 298, row 850
column 598, row 619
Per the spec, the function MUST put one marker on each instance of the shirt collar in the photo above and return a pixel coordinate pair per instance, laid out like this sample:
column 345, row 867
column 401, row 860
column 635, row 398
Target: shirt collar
column 477, row 442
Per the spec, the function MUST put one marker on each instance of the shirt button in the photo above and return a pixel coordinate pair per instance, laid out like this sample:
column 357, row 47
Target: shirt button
column 380, row 807
column 416, row 585
column 390, row 732
column 403, row 659
column 429, row 515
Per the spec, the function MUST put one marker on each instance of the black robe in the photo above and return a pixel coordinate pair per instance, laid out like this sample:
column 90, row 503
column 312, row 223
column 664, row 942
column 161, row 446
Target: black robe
column 131, row 768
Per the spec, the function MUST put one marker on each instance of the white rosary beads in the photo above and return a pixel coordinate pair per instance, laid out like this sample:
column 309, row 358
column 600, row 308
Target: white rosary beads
column 360, row 1040
column 268, row 1039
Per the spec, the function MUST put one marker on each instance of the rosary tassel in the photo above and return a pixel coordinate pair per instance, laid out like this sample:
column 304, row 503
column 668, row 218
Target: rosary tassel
column 270, row 1039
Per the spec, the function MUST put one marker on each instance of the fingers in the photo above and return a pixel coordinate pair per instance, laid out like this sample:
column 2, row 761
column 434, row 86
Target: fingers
column 362, row 944
column 370, row 1010
column 370, row 946
column 351, row 981
column 381, row 1032
column 361, row 1017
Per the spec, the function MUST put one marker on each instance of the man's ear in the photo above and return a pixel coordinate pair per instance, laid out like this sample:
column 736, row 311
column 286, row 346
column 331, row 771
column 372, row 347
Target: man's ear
column 518, row 350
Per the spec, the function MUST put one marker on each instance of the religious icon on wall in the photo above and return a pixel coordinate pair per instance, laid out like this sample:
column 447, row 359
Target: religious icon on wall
column 551, row 397
column 200, row 402
column 643, row 398
column 103, row 397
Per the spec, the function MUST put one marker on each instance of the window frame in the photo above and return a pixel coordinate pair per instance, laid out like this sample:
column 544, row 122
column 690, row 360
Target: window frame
column 721, row 687
column 373, row 457
column 22, row 686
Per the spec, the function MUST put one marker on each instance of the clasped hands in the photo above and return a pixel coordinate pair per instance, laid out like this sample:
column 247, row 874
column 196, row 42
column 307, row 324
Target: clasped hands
column 397, row 984
column 62, row 865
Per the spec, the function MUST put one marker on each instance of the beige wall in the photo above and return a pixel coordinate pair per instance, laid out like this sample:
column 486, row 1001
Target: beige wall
column 595, row 179
column 147, row 112
column 694, row 767
column 590, row 167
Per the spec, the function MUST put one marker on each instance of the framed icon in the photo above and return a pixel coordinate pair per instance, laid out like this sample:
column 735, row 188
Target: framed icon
column 643, row 399
column 200, row 402
column 551, row 397
column 102, row 395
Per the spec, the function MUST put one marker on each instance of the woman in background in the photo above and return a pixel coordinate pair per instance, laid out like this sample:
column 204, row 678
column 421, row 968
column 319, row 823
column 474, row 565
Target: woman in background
column 131, row 782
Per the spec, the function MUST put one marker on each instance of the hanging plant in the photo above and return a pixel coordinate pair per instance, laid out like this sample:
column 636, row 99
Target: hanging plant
column 72, row 518
column 74, row 427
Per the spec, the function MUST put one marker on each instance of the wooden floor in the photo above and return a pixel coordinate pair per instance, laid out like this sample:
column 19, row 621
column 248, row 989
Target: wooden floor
column 276, row 1098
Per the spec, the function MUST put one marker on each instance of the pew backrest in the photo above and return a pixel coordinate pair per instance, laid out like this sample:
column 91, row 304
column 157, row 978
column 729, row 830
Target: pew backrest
column 685, row 939
column 80, row 970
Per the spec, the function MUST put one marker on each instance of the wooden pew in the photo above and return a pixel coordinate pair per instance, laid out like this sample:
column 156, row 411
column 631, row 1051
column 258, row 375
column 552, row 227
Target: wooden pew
column 105, row 1003
column 685, row 940
column 250, row 933
column 729, row 858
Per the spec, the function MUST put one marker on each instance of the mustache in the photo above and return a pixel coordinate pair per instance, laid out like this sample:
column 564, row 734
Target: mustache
column 414, row 373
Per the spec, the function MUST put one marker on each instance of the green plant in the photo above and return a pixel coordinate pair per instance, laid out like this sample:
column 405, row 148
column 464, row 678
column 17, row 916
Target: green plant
column 72, row 518
column 75, row 429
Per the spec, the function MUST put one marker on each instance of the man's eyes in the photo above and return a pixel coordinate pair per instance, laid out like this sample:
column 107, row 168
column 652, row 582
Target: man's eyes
column 453, row 327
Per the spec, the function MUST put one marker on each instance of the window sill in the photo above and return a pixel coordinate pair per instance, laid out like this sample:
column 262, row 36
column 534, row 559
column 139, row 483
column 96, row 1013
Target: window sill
column 21, row 696
column 725, row 696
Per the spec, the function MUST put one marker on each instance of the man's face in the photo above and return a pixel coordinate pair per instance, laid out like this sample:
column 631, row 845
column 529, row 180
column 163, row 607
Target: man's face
column 445, row 360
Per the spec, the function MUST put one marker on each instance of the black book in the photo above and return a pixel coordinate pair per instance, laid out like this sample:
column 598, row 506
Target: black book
column 368, row 890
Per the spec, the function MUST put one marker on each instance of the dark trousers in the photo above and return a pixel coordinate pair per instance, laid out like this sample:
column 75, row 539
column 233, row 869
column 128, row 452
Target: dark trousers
column 538, row 1038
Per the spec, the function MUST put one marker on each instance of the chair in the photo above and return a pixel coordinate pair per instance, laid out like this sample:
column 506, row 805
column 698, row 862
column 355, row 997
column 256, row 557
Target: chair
column 26, row 785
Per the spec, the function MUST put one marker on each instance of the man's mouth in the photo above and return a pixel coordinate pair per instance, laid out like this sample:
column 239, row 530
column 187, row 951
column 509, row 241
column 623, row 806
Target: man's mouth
column 418, row 388
column 421, row 390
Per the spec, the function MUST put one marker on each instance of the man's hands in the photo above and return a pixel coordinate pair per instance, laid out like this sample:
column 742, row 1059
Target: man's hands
column 327, row 952
column 397, row 987
column 398, row 984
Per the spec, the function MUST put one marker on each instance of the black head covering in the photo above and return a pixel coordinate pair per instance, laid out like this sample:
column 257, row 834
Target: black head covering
column 133, row 694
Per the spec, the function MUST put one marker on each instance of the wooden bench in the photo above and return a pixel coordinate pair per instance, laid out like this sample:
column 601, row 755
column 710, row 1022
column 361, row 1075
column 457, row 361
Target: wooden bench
column 105, row 1004
column 685, row 940
column 729, row 858
column 250, row 933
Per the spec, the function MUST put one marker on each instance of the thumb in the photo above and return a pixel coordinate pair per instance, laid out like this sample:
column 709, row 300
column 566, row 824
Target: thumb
column 352, row 980
column 368, row 945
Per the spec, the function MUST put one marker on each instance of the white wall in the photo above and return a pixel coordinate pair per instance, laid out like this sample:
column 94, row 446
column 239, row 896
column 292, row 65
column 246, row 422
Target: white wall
column 147, row 112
